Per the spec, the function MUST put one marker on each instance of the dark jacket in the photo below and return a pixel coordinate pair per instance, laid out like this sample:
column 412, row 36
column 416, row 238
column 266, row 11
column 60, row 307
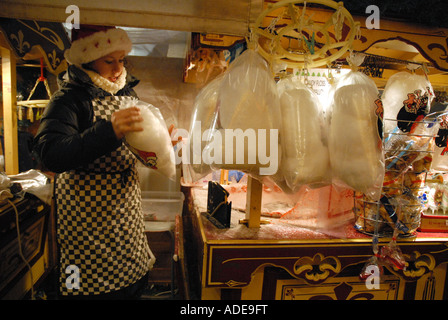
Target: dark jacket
column 67, row 137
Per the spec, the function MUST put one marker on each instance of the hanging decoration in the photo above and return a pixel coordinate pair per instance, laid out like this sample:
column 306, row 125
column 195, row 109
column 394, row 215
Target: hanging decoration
column 294, row 38
column 27, row 108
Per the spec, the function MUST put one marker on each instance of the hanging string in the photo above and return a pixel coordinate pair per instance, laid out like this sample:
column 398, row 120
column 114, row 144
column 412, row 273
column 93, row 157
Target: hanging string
column 30, row 104
column 39, row 80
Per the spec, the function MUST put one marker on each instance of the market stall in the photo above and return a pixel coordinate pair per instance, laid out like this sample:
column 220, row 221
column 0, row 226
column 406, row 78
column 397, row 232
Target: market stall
column 282, row 260
column 341, row 200
column 292, row 235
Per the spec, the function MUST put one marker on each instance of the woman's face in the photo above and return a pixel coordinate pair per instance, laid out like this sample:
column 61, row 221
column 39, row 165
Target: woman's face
column 110, row 66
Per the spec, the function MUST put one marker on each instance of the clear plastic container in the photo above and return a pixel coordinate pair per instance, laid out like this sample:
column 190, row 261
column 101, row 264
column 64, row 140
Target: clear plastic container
column 162, row 206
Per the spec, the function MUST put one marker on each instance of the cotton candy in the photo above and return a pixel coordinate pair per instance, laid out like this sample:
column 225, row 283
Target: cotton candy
column 204, row 114
column 247, row 104
column 397, row 89
column 152, row 146
column 356, row 156
column 305, row 158
column 248, row 95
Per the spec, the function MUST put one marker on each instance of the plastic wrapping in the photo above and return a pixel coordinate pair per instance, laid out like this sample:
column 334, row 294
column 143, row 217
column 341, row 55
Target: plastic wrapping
column 444, row 203
column 391, row 255
column 440, row 157
column 408, row 144
column 382, row 215
column 403, row 93
column 247, row 109
column 408, row 150
column 409, row 129
column 202, row 119
column 5, row 183
column 248, row 96
column 305, row 159
column 434, row 195
column 152, row 146
column 404, row 151
column 35, row 182
column 355, row 145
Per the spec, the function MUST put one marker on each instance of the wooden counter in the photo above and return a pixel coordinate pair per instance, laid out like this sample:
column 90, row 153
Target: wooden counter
column 241, row 263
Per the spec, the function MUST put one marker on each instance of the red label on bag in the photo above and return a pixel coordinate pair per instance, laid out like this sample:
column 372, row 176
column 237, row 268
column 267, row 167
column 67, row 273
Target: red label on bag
column 149, row 158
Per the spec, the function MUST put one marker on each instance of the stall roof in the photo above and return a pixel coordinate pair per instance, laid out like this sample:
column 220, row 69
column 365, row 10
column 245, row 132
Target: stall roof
column 213, row 16
column 161, row 28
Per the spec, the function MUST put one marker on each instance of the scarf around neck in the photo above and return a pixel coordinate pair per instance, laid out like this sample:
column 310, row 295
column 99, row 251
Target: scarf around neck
column 105, row 84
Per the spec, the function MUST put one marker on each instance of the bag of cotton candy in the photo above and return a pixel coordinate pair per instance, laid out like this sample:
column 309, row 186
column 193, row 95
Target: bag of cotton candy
column 406, row 97
column 355, row 141
column 202, row 118
column 305, row 159
column 245, row 133
column 152, row 146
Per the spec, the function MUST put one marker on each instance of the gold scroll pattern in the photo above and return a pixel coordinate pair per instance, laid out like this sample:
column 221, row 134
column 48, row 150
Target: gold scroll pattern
column 317, row 269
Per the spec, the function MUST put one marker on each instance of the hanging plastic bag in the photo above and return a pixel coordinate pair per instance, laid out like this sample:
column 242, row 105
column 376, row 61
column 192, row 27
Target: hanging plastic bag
column 404, row 151
column 305, row 159
column 202, row 119
column 152, row 146
column 245, row 133
column 409, row 128
column 355, row 142
column 406, row 97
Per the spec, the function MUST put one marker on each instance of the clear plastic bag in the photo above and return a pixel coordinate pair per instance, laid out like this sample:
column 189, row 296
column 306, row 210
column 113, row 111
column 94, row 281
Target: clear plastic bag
column 152, row 146
column 247, row 110
column 248, row 96
column 403, row 93
column 403, row 150
column 305, row 158
column 355, row 144
column 202, row 119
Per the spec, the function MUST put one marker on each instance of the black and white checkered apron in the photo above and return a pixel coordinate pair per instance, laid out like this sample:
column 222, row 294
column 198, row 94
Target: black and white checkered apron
column 103, row 246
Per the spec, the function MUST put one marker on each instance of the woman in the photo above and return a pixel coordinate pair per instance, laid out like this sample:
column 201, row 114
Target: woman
column 103, row 249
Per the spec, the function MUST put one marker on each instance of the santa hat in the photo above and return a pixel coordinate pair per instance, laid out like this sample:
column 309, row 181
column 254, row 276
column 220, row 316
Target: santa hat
column 91, row 42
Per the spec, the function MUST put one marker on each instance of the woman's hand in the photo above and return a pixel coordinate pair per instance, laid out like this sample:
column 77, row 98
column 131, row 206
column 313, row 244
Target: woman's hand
column 126, row 120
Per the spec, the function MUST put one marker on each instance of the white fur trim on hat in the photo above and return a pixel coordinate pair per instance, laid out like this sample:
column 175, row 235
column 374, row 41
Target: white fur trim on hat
column 98, row 45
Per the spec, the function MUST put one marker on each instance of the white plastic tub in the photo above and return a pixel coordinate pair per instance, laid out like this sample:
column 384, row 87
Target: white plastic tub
column 161, row 206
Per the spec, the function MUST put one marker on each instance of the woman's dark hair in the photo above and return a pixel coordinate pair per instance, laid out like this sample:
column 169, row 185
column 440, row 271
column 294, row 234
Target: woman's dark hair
column 88, row 66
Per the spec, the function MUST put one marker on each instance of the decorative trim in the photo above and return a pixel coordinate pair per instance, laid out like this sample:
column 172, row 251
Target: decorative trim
column 317, row 269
